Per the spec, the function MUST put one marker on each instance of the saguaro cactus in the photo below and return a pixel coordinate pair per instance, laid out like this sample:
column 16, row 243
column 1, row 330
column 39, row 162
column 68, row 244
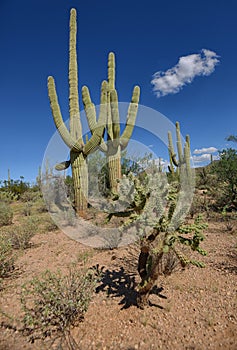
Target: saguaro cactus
column 116, row 142
column 73, row 137
column 183, row 154
column 8, row 178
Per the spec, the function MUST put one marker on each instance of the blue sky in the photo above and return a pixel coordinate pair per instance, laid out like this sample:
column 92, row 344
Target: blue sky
column 169, row 37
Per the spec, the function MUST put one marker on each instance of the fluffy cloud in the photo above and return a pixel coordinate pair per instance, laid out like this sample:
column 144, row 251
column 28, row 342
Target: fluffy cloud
column 205, row 150
column 203, row 158
column 187, row 68
column 160, row 161
column 164, row 163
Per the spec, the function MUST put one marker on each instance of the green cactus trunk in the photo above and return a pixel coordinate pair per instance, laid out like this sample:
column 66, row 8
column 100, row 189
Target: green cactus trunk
column 149, row 279
column 114, row 166
column 73, row 137
column 80, row 180
column 8, row 178
column 117, row 141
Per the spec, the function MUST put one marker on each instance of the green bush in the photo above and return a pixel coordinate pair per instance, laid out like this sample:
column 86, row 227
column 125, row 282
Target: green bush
column 49, row 225
column 15, row 187
column 226, row 172
column 7, row 196
column 41, row 206
column 53, row 302
column 27, row 209
column 6, row 214
column 6, row 257
column 21, row 235
column 30, row 196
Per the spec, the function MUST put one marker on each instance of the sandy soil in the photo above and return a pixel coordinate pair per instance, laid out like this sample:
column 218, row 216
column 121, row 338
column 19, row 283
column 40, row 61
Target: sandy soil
column 191, row 309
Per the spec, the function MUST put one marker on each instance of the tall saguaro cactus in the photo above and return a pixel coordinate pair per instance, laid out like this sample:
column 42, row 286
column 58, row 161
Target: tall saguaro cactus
column 73, row 137
column 183, row 154
column 116, row 142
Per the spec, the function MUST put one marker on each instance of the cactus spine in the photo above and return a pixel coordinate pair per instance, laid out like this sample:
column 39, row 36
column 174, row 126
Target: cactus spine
column 73, row 137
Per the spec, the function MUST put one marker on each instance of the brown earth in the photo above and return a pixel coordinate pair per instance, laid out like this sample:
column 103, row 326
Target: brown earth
column 191, row 309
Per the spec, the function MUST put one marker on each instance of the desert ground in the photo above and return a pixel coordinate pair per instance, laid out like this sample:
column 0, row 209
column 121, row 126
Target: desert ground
column 194, row 308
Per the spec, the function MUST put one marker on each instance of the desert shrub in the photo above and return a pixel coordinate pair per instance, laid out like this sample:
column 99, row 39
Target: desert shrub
column 6, row 257
column 226, row 172
column 27, row 209
column 199, row 204
column 49, row 225
column 69, row 217
column 206, row 178
column 20, row 236
column 6, row 214
column 32, row 200
column 40, row 205
column 228, row 219
column 7, row 196
column 53, row 302
column 30, row 196
column 15, row 187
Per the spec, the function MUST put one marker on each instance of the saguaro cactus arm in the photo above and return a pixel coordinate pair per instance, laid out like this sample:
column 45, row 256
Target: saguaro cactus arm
column 131, row 118
column 63, row 165
column 115, row 115
column 98, row 132
column 179, row 143
column 58, row 120
column 89, row 108
column 113, row 123
column 171, row 151
column 91, row 113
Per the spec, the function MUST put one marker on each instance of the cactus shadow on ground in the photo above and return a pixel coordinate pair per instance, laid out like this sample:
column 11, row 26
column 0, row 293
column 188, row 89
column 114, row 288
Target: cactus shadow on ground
column 119, row 283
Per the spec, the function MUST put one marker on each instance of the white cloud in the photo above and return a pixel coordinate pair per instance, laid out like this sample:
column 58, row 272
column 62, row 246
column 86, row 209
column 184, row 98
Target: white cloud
column 187, row 68
column 205, row 150
column 163, row 162
column 203, row 158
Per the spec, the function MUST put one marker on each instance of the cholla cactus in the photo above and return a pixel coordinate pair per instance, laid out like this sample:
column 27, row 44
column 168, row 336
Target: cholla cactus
column 159, row 211
column 116, row 142
column 162, row 249
column 73, row 137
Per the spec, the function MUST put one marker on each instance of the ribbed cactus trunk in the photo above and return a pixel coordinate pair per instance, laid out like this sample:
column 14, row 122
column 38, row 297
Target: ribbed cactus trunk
column 116, row 141
column 73, row 137
column 113, row 127
column 80, row 180
column 8, row 178
column 114, row 165
column 78, row 161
